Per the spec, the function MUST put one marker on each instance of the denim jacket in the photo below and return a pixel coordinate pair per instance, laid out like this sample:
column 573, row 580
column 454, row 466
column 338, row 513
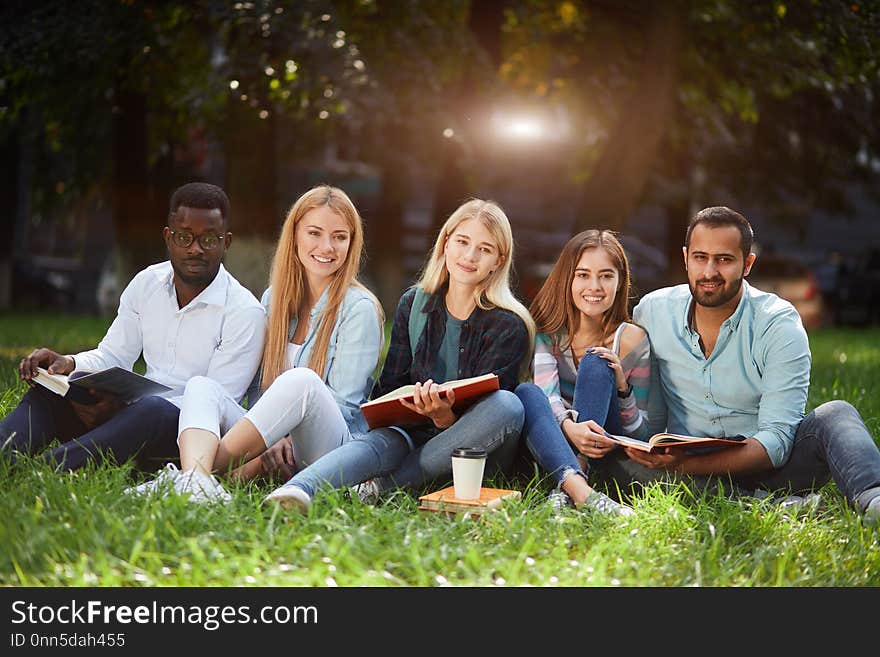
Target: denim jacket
column 352, row 354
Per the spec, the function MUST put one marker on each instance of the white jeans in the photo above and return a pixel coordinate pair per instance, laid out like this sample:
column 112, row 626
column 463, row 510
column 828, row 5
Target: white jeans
column 297, row 403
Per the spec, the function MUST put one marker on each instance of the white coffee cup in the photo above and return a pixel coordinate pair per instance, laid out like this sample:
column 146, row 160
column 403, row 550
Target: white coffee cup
column 468, row 464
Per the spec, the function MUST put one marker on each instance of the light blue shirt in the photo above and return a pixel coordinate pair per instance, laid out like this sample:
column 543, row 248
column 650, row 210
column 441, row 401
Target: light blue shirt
column 352, row 355
column 753, row 384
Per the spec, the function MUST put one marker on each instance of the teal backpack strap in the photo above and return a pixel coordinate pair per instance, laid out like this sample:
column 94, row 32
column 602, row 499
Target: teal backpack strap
column 417, row 319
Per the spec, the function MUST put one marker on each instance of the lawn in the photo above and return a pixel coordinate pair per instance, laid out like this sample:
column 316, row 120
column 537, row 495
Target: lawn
column 80, row 530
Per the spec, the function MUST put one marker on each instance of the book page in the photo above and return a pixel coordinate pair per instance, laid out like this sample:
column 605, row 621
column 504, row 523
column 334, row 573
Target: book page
column 630, row 442
column 57, row 383
column 666, row 438
column 408, row 390
column 671, row 439
column 402, row 391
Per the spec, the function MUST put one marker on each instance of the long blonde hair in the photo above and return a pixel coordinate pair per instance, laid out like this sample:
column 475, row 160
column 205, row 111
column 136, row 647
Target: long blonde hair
column 494, row 291
column 553, row 307
column 288, row 282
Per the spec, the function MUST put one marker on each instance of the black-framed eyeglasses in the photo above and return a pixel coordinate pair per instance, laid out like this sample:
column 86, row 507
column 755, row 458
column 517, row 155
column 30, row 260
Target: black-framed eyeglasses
column 184, row 238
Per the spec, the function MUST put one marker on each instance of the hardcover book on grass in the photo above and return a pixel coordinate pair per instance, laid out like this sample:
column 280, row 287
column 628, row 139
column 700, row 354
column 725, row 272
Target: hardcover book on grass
column 387, row 410
column 127, row 385
column 662, row 440
column 445, row 500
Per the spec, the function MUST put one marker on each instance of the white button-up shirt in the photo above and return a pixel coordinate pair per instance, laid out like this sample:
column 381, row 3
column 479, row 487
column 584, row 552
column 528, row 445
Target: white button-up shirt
column 219, row 334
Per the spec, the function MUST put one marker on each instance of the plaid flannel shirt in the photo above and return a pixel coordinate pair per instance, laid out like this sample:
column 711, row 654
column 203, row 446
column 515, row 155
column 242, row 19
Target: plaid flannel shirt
column 491, row 341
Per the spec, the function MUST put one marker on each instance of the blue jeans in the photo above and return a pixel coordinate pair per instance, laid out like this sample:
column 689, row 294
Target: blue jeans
column 831, row 442
column 386, row 455
column 146, row 429
column 595, row 398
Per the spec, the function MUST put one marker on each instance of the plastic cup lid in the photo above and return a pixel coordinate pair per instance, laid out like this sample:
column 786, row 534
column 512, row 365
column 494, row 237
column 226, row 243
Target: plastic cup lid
column 469, row 453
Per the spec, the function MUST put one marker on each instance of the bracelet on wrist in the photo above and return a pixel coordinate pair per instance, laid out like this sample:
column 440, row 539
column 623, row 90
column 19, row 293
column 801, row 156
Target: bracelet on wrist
column 623, row 394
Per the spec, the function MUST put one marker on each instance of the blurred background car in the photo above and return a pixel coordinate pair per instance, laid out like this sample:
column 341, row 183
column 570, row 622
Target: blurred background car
column 854, row 296
column 792, row 280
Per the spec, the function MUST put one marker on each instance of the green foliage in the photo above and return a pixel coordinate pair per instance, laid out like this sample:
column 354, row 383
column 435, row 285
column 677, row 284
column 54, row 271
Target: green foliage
column 773, row 100
column 66, row 68
column 80, row 529
column 320, row 65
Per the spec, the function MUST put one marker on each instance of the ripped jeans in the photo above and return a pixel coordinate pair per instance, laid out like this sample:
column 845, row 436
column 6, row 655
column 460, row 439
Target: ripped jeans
column 595, row 398
column 411, row 459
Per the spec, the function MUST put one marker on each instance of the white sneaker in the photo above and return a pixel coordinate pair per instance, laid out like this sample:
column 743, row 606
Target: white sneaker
column 201, row 487
column 290, row 498
column 164, row 482
column 368, row 491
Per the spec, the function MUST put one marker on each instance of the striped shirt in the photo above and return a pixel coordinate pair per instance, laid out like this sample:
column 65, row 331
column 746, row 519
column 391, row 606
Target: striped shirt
column 555, row 373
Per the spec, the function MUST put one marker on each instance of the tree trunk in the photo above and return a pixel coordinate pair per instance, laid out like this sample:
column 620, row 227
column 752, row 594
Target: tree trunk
column 615, row 188
column 250, row 147
column 677, row 217
column 9, row 156
column 384, row 238
column 138, row 217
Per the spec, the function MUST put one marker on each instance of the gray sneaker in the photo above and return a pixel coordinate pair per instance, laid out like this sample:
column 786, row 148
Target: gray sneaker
column 872, row 513
column 559, row 500
column 808, row 503
column 367, row 492
column 603, row 504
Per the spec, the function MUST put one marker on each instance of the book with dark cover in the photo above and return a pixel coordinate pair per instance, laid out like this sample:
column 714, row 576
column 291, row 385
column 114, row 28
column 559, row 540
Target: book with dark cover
column 127, row 385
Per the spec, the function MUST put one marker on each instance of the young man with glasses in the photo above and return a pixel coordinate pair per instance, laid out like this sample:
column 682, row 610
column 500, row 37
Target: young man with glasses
column 188, row 316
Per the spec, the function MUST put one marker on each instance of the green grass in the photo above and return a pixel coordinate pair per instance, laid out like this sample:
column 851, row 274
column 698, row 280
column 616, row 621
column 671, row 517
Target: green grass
column 80, row 530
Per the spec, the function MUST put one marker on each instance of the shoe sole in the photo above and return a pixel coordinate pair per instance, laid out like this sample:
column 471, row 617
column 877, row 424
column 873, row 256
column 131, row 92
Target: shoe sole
column 287, row 502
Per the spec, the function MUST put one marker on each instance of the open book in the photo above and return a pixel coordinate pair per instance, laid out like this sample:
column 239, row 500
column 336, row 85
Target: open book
column 445, row 500
column 662, row 440
column 127, row 385
column 387, row 409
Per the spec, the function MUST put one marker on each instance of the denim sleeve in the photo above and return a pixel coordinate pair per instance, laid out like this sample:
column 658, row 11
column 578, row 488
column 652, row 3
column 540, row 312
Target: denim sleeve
column 356, row 355
column 785, row 353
